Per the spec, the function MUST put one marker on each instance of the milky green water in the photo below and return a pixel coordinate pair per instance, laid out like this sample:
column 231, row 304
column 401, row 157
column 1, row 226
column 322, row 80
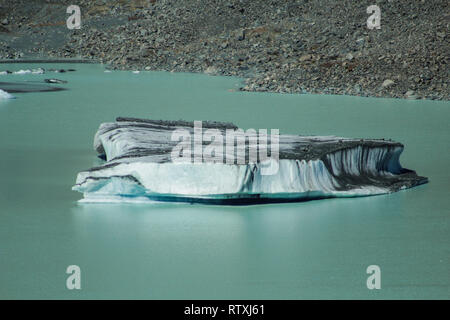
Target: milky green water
column 316, row 249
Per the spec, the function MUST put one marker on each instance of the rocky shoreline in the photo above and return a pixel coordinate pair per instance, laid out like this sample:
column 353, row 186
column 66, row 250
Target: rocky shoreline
column 277, row 46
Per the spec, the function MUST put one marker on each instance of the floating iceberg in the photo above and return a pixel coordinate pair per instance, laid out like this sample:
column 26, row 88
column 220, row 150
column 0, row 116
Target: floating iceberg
column 27, row 71
column 5, row 95
column 139, row 167
column 38, row 71
column 23, row 72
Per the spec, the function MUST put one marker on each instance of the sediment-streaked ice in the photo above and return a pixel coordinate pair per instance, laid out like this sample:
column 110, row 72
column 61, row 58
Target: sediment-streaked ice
column 138, row 167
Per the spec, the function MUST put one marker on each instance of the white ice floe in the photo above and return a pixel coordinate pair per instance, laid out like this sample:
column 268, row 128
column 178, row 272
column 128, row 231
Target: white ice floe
column 38, row 71
column 5, row 95
column 26, row 71
column 22, row 72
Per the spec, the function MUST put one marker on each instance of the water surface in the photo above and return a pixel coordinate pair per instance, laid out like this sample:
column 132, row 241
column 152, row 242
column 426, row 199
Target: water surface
column 315, row 249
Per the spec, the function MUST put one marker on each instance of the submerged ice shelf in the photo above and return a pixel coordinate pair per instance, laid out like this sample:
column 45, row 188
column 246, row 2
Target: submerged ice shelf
column 139, row 167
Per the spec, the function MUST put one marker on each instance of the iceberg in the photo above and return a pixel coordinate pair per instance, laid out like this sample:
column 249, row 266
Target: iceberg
column 5, row 95
column 38, row 71
column 27, row 71
column 139, row 167
column 23, row 72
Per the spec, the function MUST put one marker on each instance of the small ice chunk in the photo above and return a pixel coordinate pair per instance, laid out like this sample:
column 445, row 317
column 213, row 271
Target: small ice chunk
column 22, row 72
column 5, row 95
column 38, row 71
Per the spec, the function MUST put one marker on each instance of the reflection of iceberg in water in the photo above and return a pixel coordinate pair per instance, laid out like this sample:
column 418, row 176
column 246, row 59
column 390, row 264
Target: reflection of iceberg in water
column 139, row 168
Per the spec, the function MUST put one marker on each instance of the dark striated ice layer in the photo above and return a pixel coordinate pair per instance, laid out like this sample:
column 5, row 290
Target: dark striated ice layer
column 18, row 87
column 139, row 167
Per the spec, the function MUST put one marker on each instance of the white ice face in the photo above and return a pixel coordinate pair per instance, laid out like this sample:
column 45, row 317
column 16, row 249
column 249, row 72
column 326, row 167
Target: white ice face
column 302, row 178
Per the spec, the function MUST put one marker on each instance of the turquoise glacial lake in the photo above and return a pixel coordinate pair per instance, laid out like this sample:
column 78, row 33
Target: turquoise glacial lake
column 310, row 250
